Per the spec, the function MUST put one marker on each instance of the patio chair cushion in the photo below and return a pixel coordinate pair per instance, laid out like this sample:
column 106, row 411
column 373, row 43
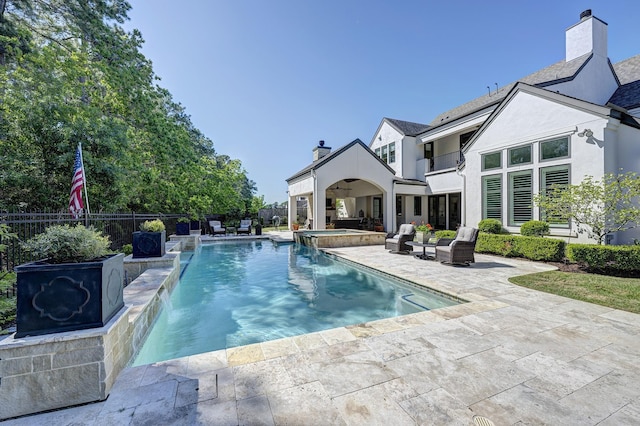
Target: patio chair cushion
column 245, row 227
column 216, row 227
column 465, row 234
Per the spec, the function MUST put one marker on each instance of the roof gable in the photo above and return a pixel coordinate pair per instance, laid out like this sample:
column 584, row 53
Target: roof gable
column 540, row 92
column 332, row 155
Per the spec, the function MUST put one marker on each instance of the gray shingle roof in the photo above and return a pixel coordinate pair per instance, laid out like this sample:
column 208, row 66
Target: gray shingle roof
column 553, row 74
column 628, row 70
column 628, row 94
column 407, row 127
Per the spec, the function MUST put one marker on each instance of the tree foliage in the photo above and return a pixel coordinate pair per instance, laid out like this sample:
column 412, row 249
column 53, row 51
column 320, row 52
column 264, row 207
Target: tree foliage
column 596, row 207
column 71, row 73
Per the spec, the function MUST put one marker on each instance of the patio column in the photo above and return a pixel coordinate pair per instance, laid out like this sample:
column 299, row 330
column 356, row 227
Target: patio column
column 319, row 209
column 293, row 212
column 310, row 205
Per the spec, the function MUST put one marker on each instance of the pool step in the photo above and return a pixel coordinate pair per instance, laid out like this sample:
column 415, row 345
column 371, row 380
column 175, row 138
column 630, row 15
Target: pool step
column 416, row 300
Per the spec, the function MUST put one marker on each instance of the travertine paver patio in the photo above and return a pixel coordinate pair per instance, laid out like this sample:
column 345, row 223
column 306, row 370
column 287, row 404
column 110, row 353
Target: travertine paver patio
column 512, row 355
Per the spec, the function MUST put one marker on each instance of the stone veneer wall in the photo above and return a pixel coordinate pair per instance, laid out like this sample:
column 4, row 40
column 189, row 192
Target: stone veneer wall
column 59, row 370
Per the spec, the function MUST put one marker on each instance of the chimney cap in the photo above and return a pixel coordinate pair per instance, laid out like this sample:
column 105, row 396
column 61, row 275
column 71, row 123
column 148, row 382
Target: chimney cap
column 585, row 14
column 321, row 143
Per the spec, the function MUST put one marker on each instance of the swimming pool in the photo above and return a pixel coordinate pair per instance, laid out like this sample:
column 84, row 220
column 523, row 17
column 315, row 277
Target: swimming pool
column 237, row 293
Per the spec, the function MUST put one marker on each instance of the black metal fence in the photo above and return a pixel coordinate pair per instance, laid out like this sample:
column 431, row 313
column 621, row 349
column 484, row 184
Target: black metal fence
column 25, row 225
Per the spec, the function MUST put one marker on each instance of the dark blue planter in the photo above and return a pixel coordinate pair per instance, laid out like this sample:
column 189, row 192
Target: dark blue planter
column 195, row 225
column 148, row 244
column 182, row 228
column 53, row 298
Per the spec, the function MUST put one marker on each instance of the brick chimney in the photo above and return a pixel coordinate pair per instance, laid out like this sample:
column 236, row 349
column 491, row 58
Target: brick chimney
column 588, row 35
column 320, row 151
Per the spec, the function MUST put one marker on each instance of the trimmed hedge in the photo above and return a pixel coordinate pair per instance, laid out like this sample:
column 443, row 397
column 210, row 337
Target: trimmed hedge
column 490, row 226
column 605, row 258
column 445, row 234
column 534, row 248
column 534, row 228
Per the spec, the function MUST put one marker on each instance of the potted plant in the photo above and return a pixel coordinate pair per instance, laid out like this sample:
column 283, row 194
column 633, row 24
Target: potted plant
column 182, row 226
column 258, row 226
column 77, row 284
column 150, row 240
column 424, row 232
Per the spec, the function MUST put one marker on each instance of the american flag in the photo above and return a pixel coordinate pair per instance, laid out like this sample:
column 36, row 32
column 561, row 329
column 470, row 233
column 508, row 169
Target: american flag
column 77, row 183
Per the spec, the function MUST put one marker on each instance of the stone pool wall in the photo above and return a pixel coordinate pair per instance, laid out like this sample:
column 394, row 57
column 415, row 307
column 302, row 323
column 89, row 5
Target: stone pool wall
column 59, row 370
column 331, row 239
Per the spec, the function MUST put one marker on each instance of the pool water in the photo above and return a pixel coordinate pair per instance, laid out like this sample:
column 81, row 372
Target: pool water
column 234, row 294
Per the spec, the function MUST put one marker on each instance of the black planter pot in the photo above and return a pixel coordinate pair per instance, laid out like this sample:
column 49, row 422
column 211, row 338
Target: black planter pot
column 148, row 244
column 182, row 228
column 195, row 225
column 53, row 298
column 258, row 229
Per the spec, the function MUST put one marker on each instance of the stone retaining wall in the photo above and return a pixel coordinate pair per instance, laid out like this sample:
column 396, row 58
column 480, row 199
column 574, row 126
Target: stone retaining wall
column 59, row 370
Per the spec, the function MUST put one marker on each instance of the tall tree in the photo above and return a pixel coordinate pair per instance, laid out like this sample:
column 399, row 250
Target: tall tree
column 72, row 74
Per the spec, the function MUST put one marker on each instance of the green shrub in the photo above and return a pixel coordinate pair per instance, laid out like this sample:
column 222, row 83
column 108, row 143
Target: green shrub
column 534, row 228
column 67, row 244
column 155, row 225
column 127, row 249
column 445, row 234
column 490, row 226
column 534, row 248
column 605, row 258
column 183, row 220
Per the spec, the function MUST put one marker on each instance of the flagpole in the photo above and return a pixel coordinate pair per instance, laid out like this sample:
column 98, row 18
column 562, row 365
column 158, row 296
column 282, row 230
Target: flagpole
column 84, row 182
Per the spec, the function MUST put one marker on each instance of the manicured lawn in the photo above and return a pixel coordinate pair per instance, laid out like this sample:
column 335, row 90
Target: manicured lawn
column 618, row 293
column 7, row 304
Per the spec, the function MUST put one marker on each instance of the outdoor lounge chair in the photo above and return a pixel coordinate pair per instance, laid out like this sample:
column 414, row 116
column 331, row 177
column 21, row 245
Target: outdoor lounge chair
column 398, row 243
column 245, row 227
column 459, row 249
column 216, row 227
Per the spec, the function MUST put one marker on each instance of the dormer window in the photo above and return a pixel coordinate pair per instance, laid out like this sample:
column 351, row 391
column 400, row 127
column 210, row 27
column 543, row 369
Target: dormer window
column 392, row 152
column 385, row 155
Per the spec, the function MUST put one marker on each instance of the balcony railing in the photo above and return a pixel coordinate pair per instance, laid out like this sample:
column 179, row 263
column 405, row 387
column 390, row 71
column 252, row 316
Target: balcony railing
column 443, row 162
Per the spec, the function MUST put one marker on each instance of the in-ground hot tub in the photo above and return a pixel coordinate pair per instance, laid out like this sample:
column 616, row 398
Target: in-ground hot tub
column 339, row 238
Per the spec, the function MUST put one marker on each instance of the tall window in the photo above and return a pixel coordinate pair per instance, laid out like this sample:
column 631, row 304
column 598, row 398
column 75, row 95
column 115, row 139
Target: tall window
column 392, row 152
column 520, row 197
column 492, row 197
column 378, row 152
column 417, row 206
column 554, row 177
column 385, row 156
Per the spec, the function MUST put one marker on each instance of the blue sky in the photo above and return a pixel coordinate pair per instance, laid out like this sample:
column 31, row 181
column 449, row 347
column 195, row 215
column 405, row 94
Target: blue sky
column 266, row 80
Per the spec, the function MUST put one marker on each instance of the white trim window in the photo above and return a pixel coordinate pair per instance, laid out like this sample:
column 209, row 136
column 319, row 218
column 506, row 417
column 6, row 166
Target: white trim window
column 492, row 197
column 392, row 152
column 520, row 197
column 554, row 149
column 385, row 155
column 557, row 176
column 492, row 160
column 519, row 155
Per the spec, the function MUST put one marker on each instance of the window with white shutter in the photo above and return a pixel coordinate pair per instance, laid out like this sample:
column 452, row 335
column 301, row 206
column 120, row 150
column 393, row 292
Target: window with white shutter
column 520, row 197
column 492, row 197
column 551, row 177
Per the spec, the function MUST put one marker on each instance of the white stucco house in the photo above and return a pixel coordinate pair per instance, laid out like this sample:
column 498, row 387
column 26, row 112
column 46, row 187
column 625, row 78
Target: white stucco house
column 488, row 157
